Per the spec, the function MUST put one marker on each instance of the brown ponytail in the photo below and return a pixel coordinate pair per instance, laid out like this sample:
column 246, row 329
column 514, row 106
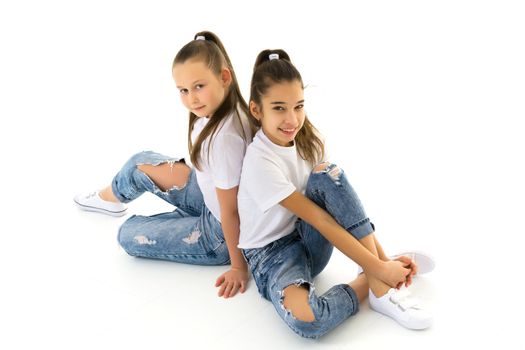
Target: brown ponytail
column 212, row 52
column 268, row 72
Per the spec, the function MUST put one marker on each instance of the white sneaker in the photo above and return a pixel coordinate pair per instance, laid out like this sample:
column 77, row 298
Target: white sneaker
column 398, row 305
column 93, row 202
column 425, row 263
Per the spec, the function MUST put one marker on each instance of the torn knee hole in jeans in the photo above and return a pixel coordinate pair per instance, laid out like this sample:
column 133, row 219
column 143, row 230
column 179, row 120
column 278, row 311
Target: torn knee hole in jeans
column 171, row 162
column 333, row 170
column 303, row 317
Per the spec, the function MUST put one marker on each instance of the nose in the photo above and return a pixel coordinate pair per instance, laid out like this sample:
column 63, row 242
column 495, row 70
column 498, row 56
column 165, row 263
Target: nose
column 291, row 118
column 193, row 97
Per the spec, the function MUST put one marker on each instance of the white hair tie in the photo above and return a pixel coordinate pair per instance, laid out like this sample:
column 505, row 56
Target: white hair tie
column 273, row 56
column 200, row 37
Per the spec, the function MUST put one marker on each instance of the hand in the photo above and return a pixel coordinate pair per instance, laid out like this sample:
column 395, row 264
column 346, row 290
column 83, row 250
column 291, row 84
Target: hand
column 232, row 281
column 409, row 264
column 394, row 273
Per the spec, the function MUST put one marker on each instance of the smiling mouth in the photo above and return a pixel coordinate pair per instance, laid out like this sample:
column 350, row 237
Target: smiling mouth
column 288, row 131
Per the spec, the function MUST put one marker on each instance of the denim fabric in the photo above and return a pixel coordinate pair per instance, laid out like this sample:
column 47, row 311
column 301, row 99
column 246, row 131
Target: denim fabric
column 190, row 234
column 300, row 256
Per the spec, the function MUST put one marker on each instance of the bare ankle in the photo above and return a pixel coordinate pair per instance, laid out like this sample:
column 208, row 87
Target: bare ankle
column 379, row 288
column 360, row 287
column 107, row 195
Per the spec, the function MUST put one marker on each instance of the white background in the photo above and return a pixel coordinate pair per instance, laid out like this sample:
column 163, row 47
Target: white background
column 421, row 104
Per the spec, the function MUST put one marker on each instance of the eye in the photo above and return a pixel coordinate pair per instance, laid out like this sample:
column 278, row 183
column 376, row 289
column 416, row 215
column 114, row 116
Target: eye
column 199, row 86
column 183, row 91
column 299, row 107
column 278, row 108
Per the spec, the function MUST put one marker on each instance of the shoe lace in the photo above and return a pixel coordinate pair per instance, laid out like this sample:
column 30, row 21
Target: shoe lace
column 403, row 299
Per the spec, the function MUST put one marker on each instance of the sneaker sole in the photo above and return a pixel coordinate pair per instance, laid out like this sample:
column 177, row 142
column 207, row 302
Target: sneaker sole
column 100, row 210
column 420, row 325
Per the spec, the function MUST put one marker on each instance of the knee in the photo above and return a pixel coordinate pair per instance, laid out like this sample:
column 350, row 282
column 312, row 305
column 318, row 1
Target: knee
column 141, row 157
column 167, row 175
column 299, row 314
column 296, row 302
column 124, row 233
column 145, row 168
column 127, row 234
column 329, row 168
column 321, row 167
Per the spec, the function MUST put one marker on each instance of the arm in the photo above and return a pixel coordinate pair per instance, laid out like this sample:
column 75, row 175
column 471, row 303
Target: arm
column 380, row 250
column 237, row 278
column 406, row 261
column 307, row 210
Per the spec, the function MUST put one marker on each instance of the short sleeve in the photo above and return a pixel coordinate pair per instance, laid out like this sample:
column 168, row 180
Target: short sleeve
column 265, row 182
column 226, row 157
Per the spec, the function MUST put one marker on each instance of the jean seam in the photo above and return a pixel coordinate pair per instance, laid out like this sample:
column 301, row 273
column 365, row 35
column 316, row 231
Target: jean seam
column 358, row 224
column 353, row 297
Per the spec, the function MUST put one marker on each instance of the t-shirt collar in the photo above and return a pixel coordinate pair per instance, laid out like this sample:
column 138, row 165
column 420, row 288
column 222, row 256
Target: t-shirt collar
column 276, row 148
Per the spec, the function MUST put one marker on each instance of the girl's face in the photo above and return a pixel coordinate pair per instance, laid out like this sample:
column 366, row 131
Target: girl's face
column 201, row 90
column 281, row 112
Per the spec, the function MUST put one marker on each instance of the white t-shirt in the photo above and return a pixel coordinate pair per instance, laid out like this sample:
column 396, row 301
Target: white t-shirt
column 270, row 173
column 223, row 170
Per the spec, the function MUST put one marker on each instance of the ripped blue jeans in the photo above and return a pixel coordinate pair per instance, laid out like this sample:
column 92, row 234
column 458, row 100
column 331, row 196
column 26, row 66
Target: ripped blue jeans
column 190, row 234
column 300, row 256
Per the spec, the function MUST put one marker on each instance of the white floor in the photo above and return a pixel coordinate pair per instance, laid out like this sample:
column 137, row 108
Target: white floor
column 86, row 292
column 69, row 285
